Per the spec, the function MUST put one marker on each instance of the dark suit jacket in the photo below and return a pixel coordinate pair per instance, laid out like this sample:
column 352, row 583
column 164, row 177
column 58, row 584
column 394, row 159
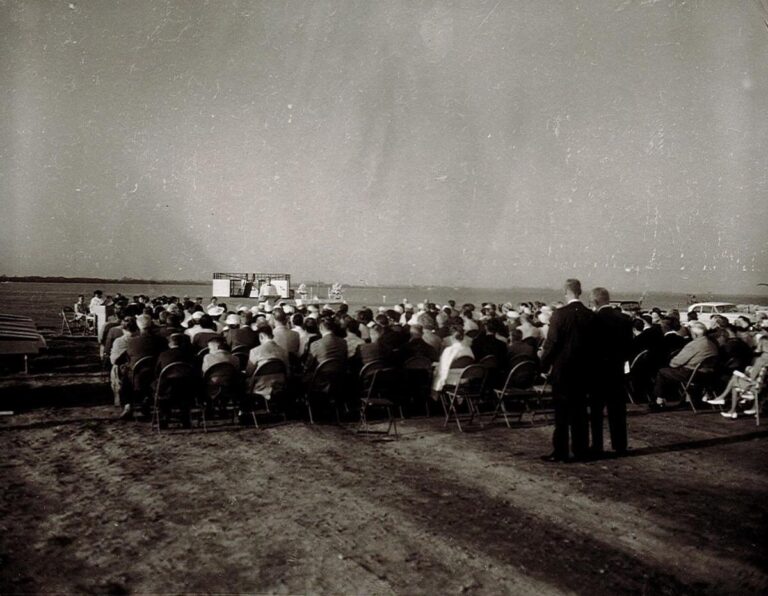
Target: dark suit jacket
column 569, row 347
column 202, row 338
column 328, row 346
column 613, row 342
column 418, row 347
column 488, row 345
column 671, row 343
column 171, row 356
column 244, row 336
column 651, row 339
column 144, row 344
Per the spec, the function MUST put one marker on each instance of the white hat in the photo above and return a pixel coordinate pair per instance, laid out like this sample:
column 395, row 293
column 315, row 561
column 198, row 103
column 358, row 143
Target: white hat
column 241, row 308
column 399, row 309
column 233, row 319
column 382, row 309
column 216, row 311
column 513, row 314
column 197, row 315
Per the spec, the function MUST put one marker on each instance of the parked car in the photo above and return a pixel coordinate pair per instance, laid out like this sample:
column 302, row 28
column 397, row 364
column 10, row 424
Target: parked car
column 706, row 310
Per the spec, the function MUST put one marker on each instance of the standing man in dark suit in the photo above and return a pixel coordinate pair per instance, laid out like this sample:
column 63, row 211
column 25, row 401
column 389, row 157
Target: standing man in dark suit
column 568, row 350
column 613, row 344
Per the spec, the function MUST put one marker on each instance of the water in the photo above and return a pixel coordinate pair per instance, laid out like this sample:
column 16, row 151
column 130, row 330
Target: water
column 43, row 301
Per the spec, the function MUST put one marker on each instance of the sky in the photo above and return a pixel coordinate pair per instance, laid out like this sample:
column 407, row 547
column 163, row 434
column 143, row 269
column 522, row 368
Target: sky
column 494, row 143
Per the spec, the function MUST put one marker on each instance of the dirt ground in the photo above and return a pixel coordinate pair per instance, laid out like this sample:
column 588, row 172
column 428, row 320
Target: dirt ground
column 93, row 505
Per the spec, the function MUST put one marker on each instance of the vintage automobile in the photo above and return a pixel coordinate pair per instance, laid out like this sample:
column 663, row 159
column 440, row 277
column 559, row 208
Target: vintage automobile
column 706, row 310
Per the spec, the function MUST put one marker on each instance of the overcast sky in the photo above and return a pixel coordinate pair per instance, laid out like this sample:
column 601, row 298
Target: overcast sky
column 494, row 144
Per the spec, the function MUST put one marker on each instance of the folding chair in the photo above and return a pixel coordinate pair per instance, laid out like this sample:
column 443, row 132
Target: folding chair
column 140, row 376
column 70, row 322
column 468, row 388
column 518, row 388
column 417, row 378
column 325, row 382
column 241, row 353
column 380, row 384
column 223, row 385
column 638, row 377
column 176, row 388
column 270, row 379
column 697, row 381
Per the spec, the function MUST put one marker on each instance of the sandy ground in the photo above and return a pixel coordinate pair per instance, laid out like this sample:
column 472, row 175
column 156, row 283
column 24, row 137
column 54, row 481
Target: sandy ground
column 93, row 505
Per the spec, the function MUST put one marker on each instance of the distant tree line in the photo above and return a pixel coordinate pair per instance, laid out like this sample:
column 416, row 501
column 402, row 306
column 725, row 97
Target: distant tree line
column 97, row 280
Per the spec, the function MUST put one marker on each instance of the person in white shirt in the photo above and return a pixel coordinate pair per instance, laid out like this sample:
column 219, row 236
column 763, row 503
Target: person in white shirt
column 456, row 349
column 97, row 300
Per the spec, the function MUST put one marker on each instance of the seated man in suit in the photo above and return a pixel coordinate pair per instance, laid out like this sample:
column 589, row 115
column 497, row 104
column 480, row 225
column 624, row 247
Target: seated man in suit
column 329, row 345
column 206, row 333
column 218, row 353
column 490, row 343
column 286, row 338
column 267, row 349
column 698, row 350
column 672, row 342
column 178, row 351
column 416, row 346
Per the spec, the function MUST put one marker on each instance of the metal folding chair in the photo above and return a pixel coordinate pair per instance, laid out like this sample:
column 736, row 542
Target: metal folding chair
column 268, row 382
column 380, row 385
column 518, row 388
column 325, row 383
column 697, row 381
column 468, row 388
column 177, row 389
column 223, row 386
column 638, row 377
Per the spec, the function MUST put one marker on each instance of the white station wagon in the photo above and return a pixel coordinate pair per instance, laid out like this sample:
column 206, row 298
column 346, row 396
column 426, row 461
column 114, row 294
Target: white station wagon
column 706, row 310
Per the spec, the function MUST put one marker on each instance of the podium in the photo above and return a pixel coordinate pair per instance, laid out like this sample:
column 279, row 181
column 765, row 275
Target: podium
column 101, row 314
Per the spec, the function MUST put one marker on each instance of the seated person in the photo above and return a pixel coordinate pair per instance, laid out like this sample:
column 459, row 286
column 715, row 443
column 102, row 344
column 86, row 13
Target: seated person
column 207, row 332
column 267, row 349
column 81, row 310
column 179, row 350
column 671, row 342
column 740, row 382
column 519, row 349
column 456, row 349
column 328, row 346
column 416, row 346
column 218, row 353
column 491, row 343
column 698, row 350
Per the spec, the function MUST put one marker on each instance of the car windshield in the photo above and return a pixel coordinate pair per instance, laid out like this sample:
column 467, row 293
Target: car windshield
column 726, row 308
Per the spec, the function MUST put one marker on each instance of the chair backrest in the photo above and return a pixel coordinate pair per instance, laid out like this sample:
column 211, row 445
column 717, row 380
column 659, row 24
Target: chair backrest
column 67, row 310
column 370, row 368
column 222, row 374
column 489, row 362
column 522, row 375
column 242, row 358
column 176, row 376
column 143, row 372
column 471, row 378
column 462, row 362
column 418, row 363
column 271, row 375
column 384, row 382
column 271, row 366
column 639, row 361
column 327, row 373
column 203, row 352
column 241, row 349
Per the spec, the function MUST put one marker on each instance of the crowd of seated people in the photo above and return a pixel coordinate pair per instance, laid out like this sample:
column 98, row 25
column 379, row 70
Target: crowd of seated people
column 170, row 329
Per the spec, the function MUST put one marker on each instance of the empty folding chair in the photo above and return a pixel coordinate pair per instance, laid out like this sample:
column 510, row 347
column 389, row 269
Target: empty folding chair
column 518, row 390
